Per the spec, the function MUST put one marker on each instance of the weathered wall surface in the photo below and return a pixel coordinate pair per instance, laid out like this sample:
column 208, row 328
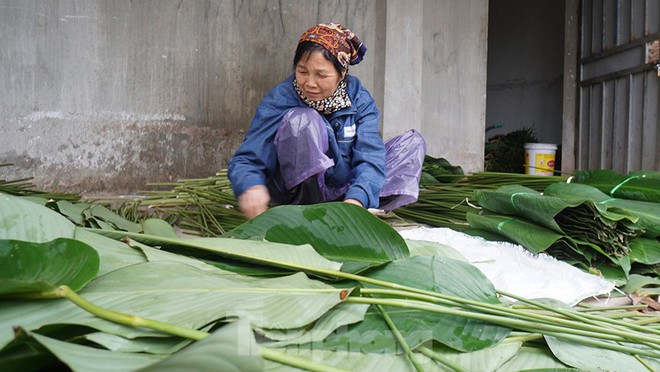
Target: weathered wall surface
column 108, row 95
column 104, row 96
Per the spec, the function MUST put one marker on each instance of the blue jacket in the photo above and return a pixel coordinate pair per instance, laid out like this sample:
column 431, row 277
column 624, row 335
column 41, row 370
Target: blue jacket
column 362, row 157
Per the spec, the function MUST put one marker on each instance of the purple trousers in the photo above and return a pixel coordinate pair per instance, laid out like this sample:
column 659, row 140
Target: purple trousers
column 304, row 172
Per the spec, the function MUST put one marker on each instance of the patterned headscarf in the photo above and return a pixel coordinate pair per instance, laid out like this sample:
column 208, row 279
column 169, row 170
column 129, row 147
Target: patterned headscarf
column 338, row 40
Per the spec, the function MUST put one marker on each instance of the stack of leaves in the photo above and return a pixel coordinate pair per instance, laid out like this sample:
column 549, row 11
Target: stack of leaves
column 643, row 186
column 445, row 204
column 436, row 170
column 575, row 223
column 342, row 291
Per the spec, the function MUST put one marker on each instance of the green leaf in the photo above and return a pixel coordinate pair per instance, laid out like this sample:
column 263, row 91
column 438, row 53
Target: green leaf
column 645, row 251
column 592, row 358
column 190, row 297
column 114, row 254
column 159, row 227
column 25, row 354
column 103, row 214
column 485, row 360
column 183, row 295
column 84, row 358
column 24, row 220
column 648, row 213
column 533, row 358
column 231, row 348
column 445, row 276
column 339, row 316
column 426, row 248
column 357, row 361
column 150, row 345
column 72, row 211
column 534, row 238
column 634, row 186
column 338, row 231
column 265, row 253
column 642, row 284
column 30, row 268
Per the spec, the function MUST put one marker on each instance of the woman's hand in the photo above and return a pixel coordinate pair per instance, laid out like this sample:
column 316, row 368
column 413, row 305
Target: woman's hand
column 353, row 201
column 254, row 201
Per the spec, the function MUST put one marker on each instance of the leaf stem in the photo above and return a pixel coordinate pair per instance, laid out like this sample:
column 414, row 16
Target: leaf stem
column 400, row 339
column 556, row 331
column 64, row 291
column 296, row 361
column 440, row 358
column 550, row 321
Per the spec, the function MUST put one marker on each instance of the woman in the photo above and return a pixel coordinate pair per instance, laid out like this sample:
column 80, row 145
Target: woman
column 314, row 137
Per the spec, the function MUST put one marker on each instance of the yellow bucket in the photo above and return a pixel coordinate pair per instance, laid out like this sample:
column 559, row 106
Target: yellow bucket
column 540, row 158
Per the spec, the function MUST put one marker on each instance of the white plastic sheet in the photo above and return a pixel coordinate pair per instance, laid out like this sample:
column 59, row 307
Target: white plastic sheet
column 513, row 269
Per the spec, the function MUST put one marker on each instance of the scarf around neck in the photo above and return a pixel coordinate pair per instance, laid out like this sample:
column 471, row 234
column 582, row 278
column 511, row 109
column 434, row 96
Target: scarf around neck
column 337, row 101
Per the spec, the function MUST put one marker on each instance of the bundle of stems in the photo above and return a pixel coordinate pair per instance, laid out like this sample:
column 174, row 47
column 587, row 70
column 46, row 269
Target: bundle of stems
column 23, row 187
column 445, row 204
column 585, row 224
column 207, row 206
column 202, row 206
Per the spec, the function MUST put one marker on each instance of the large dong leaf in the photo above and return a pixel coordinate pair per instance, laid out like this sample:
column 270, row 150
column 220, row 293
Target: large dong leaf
column 338, row 231
column 638, row 186
column 183, row 295
column 32, row 268
column 544, row 210
column 232, row 348
column 449, row 277
column 446, row 276
column 534, row 359
column 534, row 238
column 21, row 219
column 84, row 358
column 356, row 361
column 589, row 358
column 299, row 257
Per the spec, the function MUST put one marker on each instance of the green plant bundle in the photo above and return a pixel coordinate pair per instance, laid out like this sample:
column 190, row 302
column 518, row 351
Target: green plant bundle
column 24, row 187
column 578, row 219
column 647, row 213
column 151, row 300
column 643, row 186
column 202, row 206
column 441, row 170
column 446, row 204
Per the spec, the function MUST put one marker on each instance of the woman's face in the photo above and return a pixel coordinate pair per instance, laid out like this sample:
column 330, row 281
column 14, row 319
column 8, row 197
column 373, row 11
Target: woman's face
column 317, row 77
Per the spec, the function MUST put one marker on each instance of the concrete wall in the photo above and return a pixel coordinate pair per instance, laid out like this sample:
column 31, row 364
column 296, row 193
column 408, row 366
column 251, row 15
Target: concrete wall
column 435, row 76
column 104, row 96
column 525, row 67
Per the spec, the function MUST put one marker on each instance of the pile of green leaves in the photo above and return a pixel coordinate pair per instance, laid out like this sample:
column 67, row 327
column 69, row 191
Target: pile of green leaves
column 576, row 223
column 325, row 287
column 446, row 203
column 436, row 170
column 642, row 186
